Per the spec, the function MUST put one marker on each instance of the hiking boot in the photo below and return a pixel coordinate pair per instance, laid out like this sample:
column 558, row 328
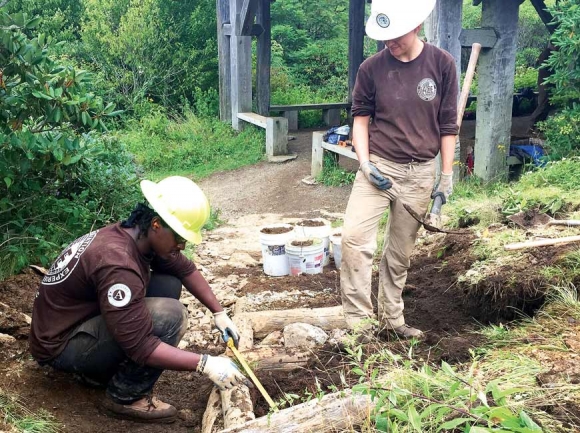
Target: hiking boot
column 148, row 409
column 407, row 332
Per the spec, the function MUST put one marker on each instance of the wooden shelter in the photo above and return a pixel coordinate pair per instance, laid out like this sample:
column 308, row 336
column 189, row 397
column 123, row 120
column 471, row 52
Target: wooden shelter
column 240, row 20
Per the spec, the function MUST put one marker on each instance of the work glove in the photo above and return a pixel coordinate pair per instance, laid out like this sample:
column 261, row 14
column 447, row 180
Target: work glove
column 226, row 327
column 374, row 176
column 222, row 372
column 445, row 186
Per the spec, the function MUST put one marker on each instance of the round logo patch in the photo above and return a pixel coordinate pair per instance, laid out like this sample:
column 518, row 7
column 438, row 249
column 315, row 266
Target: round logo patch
column 427, row 89
column 119, row 295
column 68, row 259
column 383, row 21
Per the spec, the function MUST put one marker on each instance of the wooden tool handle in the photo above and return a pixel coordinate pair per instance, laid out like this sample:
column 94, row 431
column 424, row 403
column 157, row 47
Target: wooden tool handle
column 475, row 49
column 541, row 243
column 568, row 223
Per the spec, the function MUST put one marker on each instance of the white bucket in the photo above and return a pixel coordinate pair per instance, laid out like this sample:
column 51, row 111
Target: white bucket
column 274, row 249
column 336, row 241
column 305, row 259
column 321, row 231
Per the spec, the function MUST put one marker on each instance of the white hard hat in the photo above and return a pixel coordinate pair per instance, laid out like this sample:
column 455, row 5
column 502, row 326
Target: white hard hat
column 180, row 203
column 391, row 19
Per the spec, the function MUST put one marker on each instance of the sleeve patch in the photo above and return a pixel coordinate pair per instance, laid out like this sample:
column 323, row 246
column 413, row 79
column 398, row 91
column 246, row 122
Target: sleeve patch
column 119, row 295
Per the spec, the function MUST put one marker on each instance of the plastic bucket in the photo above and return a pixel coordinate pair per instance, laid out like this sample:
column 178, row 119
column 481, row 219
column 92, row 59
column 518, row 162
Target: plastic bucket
column 336, row 241
column 305, row 256
column 273, row 239
column 316, row 228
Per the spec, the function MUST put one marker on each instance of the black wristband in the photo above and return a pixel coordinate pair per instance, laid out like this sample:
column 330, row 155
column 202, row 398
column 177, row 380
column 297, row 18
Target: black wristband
column 201, row 364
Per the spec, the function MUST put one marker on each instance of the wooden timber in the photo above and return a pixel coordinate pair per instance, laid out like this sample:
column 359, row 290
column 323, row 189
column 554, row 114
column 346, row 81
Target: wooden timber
column 319, row 147
column 276, row 135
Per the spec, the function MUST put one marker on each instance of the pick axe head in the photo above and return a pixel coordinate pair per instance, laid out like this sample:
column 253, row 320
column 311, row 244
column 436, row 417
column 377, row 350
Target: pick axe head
column 428, row 226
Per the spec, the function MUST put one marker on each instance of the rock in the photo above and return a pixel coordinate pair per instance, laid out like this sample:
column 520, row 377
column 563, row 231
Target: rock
column 6, row 339
column 187, row 301
column 183, row 344
column 275, row 338
column 303, row 335
column 241, row 259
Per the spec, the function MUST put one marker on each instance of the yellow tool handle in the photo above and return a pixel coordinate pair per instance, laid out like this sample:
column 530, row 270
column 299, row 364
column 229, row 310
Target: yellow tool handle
column 240, row 358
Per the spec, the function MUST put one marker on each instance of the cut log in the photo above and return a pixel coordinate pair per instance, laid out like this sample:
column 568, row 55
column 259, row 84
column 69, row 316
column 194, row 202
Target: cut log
column 276, row 358
column 542, row 243
column 334, row 412
column 237, row 406
column 264, row 322
column 212, row 411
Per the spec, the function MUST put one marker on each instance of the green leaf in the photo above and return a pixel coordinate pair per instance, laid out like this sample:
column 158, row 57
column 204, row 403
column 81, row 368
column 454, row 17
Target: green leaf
column 529, row 422
column 7, row 181
column 397, row 413
column 33, row 23
column 381, row 423
column 414, row 419
column 452, row 424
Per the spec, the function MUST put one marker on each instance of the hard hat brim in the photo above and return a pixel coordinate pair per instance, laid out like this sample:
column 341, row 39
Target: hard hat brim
column 401, row 23
column 152, row 193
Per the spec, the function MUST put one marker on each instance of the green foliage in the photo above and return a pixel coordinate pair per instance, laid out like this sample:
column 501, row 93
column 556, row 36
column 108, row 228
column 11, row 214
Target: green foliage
column 525, row 77
column 333, row 174
column 193, row 145
column 15, row 414
column 58, row 178
column 562, row 132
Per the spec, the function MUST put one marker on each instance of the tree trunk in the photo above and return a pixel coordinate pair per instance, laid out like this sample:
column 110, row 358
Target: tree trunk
column 276, row 358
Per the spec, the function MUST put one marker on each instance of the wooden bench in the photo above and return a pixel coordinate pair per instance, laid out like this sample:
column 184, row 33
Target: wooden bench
column 276, row 135
column 319, row 147
column 330, row 112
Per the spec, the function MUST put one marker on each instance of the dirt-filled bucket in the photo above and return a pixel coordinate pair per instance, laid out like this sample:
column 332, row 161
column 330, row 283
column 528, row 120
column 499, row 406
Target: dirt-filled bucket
column 273, row 239
column 305, row 255
column 316, row 228
column 336, row 241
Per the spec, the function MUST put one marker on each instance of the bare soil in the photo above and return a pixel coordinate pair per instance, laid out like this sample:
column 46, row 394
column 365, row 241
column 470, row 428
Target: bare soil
column 230, row 256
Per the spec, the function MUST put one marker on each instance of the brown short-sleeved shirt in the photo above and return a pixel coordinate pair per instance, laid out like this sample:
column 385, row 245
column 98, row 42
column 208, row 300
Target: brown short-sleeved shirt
column 412, row 104
column 101, row 272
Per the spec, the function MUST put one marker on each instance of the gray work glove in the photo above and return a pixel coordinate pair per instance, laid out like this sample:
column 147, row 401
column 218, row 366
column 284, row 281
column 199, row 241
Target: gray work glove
column 221, row 371
column 374, row 176
column 445, row 186
column 226, row 327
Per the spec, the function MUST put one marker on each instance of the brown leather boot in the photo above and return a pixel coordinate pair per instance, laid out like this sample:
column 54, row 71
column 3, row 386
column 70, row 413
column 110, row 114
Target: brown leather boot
column 148, row 409
column 407, row 332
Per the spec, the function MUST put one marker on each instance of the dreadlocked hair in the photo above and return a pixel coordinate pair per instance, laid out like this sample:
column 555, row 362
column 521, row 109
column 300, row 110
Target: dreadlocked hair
column 141, row 217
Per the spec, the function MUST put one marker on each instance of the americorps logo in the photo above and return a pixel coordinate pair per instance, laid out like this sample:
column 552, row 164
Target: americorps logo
column 68, row 259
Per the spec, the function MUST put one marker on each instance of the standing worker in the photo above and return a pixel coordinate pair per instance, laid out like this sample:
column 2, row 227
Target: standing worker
column 108, row 310
column 404, row 105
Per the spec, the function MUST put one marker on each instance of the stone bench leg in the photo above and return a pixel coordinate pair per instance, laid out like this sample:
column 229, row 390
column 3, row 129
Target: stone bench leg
column 331, row 117
column 276, row 136
column 292, row 117
column 317, row 154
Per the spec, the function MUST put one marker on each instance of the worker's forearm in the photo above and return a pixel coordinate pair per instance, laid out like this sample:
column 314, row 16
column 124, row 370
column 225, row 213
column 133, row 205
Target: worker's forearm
column 447, row 153
column 360, row 137
column 196, row 284
column 167, row 357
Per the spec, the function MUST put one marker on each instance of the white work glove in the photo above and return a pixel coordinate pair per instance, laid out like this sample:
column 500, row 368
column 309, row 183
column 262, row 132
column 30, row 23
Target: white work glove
column 221, row 371
column 444, row 187
column 226, row 327
column 374, row 176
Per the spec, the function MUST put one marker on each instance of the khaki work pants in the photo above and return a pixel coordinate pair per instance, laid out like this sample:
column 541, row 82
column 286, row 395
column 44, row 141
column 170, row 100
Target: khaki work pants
column 412, row 184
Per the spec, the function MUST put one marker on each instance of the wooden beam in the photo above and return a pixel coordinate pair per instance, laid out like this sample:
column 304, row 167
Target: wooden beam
column 300, row 107
column 476, row 2
column 545, row 15
column 496, row 72
column 263, row 58
column 224, row 65
column 487, row 37
column 356, row 33
column 241, row 67
column 256, row 30
column 247, row 16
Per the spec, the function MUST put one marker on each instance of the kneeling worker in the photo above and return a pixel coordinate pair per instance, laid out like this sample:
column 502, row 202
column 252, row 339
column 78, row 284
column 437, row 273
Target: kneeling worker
column 108, row 310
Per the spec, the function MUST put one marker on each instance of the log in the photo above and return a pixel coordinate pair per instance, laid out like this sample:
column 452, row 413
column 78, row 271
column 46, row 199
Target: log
column 276, row 358
column 568, row 223
column 541, row 243
column 237, row 406
column 212, row 411
column 264, row 322
column 334, row 412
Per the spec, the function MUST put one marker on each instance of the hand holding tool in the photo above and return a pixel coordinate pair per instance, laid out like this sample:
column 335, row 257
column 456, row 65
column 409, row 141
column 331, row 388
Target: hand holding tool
column 221, row 371
column 244, row 364
column 226, row 327
column 374, row 176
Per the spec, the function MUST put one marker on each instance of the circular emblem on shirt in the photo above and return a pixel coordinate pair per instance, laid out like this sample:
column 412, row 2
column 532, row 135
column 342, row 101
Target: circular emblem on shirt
column 119, row 295
column 383, row 21
column 68, row 259
column 427, row 89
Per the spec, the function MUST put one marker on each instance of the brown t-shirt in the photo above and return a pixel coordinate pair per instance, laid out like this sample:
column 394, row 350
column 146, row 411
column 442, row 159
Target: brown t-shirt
column 412, row 104
column 101, row 272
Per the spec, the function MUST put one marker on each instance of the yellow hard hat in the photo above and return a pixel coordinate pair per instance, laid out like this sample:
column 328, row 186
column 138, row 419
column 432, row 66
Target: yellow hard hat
column 180, row 203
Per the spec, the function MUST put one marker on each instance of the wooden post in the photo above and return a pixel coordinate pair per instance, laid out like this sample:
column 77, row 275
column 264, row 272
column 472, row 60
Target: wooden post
column 292, row 117
column 264, row 58
column 495, row 91
column 331, row 117
column 356, row 33
column 225, row 82
column 317, row 154
column 276, row 136
column 241, row 67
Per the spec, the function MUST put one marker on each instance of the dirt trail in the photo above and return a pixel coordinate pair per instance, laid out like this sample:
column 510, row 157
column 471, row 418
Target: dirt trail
column 230, row 258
